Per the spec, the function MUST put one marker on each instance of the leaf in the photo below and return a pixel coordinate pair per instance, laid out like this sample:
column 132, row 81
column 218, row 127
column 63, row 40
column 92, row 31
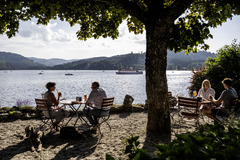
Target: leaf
column 109, row 157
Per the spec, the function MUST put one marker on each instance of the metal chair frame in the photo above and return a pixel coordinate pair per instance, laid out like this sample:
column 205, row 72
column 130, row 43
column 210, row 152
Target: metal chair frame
column 189, row 108
column 235, row 109
column 42, row 105
column 103, row 118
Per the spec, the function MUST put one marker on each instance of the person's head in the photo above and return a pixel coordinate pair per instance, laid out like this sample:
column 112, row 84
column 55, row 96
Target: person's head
column 95, row 85
column 51, row 86
column 206, row 84
column 227, row 83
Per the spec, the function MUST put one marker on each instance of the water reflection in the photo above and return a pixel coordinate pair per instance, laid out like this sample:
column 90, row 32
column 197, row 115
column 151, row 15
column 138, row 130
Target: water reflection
column 27, row 85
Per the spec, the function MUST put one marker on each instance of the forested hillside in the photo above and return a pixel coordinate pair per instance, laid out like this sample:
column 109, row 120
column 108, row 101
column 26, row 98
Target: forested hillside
column 178, row 61
column 12, row 61
column 175, row 61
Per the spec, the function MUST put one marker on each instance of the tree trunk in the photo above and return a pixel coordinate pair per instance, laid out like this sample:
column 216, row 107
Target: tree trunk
column 158, row 36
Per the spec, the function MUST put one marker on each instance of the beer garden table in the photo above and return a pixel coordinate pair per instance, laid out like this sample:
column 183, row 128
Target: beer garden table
column 75, row 106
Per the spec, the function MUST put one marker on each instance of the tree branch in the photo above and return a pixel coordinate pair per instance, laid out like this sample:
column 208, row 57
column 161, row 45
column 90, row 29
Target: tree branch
column 133, row 9
column 178, row 8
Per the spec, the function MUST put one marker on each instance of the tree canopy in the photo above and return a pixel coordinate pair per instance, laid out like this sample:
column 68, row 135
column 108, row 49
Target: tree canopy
column 102, row 17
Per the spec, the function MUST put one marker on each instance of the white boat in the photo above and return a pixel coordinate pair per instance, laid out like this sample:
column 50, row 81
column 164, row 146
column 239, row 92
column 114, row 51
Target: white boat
column 129, row 71
column 68, row 74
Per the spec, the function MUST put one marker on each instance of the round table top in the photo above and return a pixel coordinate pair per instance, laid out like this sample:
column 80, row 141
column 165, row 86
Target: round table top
column 71, row 101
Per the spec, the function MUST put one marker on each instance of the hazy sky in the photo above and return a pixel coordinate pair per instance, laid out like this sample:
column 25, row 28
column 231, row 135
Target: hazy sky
column 58, row 40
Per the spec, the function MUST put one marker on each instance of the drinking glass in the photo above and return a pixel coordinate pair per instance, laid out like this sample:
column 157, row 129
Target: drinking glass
column 194, row 93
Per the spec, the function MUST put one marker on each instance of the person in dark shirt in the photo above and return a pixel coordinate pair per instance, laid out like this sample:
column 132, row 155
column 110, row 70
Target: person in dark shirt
column 225, row 101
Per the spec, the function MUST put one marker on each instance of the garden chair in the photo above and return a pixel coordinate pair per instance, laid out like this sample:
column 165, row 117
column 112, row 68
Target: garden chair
column 105, row 113
column 232, row 114
column 43, row 113
column 189, row 108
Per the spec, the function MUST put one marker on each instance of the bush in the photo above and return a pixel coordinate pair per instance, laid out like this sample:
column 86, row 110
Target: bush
column 225, row 64
column 210, row 142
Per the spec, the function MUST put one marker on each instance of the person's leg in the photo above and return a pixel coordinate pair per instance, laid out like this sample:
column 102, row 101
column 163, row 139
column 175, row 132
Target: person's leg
column 88, row 114
column 59, row 115
column 208, row 113
column 96, row 116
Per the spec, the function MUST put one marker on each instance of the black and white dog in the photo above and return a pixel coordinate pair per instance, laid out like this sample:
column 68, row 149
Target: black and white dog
column 34, row 137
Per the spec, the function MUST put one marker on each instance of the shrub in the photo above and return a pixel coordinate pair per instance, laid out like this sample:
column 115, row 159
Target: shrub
column 225, row 64
column 210, row 142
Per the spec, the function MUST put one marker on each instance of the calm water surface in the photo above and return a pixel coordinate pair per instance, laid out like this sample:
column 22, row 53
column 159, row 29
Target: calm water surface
column 28, row 84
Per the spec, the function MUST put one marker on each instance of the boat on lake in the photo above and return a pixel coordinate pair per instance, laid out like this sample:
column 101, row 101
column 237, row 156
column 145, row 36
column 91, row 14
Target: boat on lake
column 68, row 74
column 126, row 71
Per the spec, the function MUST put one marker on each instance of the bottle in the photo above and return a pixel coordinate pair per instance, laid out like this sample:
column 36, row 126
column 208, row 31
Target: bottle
column 85, row 97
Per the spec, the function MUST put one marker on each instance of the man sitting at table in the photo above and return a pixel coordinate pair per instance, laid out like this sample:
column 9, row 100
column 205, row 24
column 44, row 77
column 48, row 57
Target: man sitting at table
column 227, row 97
column 94, row 102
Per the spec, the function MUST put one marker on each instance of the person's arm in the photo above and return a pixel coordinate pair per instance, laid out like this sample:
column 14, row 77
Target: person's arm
column 213, row 93
column 199, row 93
column 218, row 101
column 90, row 98
column 54, row 100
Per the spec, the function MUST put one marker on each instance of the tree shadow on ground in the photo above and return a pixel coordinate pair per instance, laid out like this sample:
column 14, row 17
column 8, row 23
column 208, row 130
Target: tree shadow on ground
column 75, row 147
column 124, row 115
column 11, row 151
column 78, row 147
column 152, row 139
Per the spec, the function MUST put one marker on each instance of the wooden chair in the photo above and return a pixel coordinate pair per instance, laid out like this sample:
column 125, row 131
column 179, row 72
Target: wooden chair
column 43, row 112
column 105, row 113
column 189, row 108
column 232, row 114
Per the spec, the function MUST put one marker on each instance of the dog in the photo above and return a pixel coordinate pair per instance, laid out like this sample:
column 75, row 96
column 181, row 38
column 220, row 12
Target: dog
column 34, row 137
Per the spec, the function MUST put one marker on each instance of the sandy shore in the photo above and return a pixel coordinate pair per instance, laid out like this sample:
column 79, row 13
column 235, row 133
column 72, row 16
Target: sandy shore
column 15, row 146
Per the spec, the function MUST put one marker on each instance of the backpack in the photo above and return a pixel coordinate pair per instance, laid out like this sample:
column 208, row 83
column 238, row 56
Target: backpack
column 69, row 132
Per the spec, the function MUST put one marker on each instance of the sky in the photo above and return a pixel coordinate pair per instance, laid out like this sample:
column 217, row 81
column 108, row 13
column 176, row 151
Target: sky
column 59, row 40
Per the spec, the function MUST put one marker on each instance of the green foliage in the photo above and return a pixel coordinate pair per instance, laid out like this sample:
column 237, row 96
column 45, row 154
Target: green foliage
column 210, row 142
column 26, row 107
column 101, row 18
column 225, row 64
column 132, row 150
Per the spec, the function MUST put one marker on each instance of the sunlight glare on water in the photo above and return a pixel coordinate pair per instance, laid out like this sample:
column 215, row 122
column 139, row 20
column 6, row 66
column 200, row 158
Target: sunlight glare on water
column 28, row 84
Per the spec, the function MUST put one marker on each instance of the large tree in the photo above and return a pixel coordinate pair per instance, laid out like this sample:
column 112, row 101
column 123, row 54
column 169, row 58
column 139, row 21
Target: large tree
column 170, row 24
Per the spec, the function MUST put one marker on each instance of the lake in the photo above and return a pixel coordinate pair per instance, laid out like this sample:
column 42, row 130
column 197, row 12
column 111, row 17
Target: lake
column 25, row 85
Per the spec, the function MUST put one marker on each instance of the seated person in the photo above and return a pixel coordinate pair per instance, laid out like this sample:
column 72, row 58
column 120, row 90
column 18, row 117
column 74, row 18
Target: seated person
column 94, row 102
column 227, row 97
column 206, row 91
column 58, row 114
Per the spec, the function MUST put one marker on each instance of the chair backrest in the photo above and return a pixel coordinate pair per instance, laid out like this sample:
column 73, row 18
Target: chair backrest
column 42, row 104
column 188, row 102
column 107, row 103
column 169, row 94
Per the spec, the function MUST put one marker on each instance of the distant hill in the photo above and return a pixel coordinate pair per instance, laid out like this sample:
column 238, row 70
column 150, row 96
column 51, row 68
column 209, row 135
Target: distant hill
column 178, row 61
column 12, row 61
column 50, row 62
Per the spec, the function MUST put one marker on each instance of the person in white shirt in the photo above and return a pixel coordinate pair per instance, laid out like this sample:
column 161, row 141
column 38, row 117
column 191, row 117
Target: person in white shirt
column 94, row 102
column 206, row 91
column 226, row 100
